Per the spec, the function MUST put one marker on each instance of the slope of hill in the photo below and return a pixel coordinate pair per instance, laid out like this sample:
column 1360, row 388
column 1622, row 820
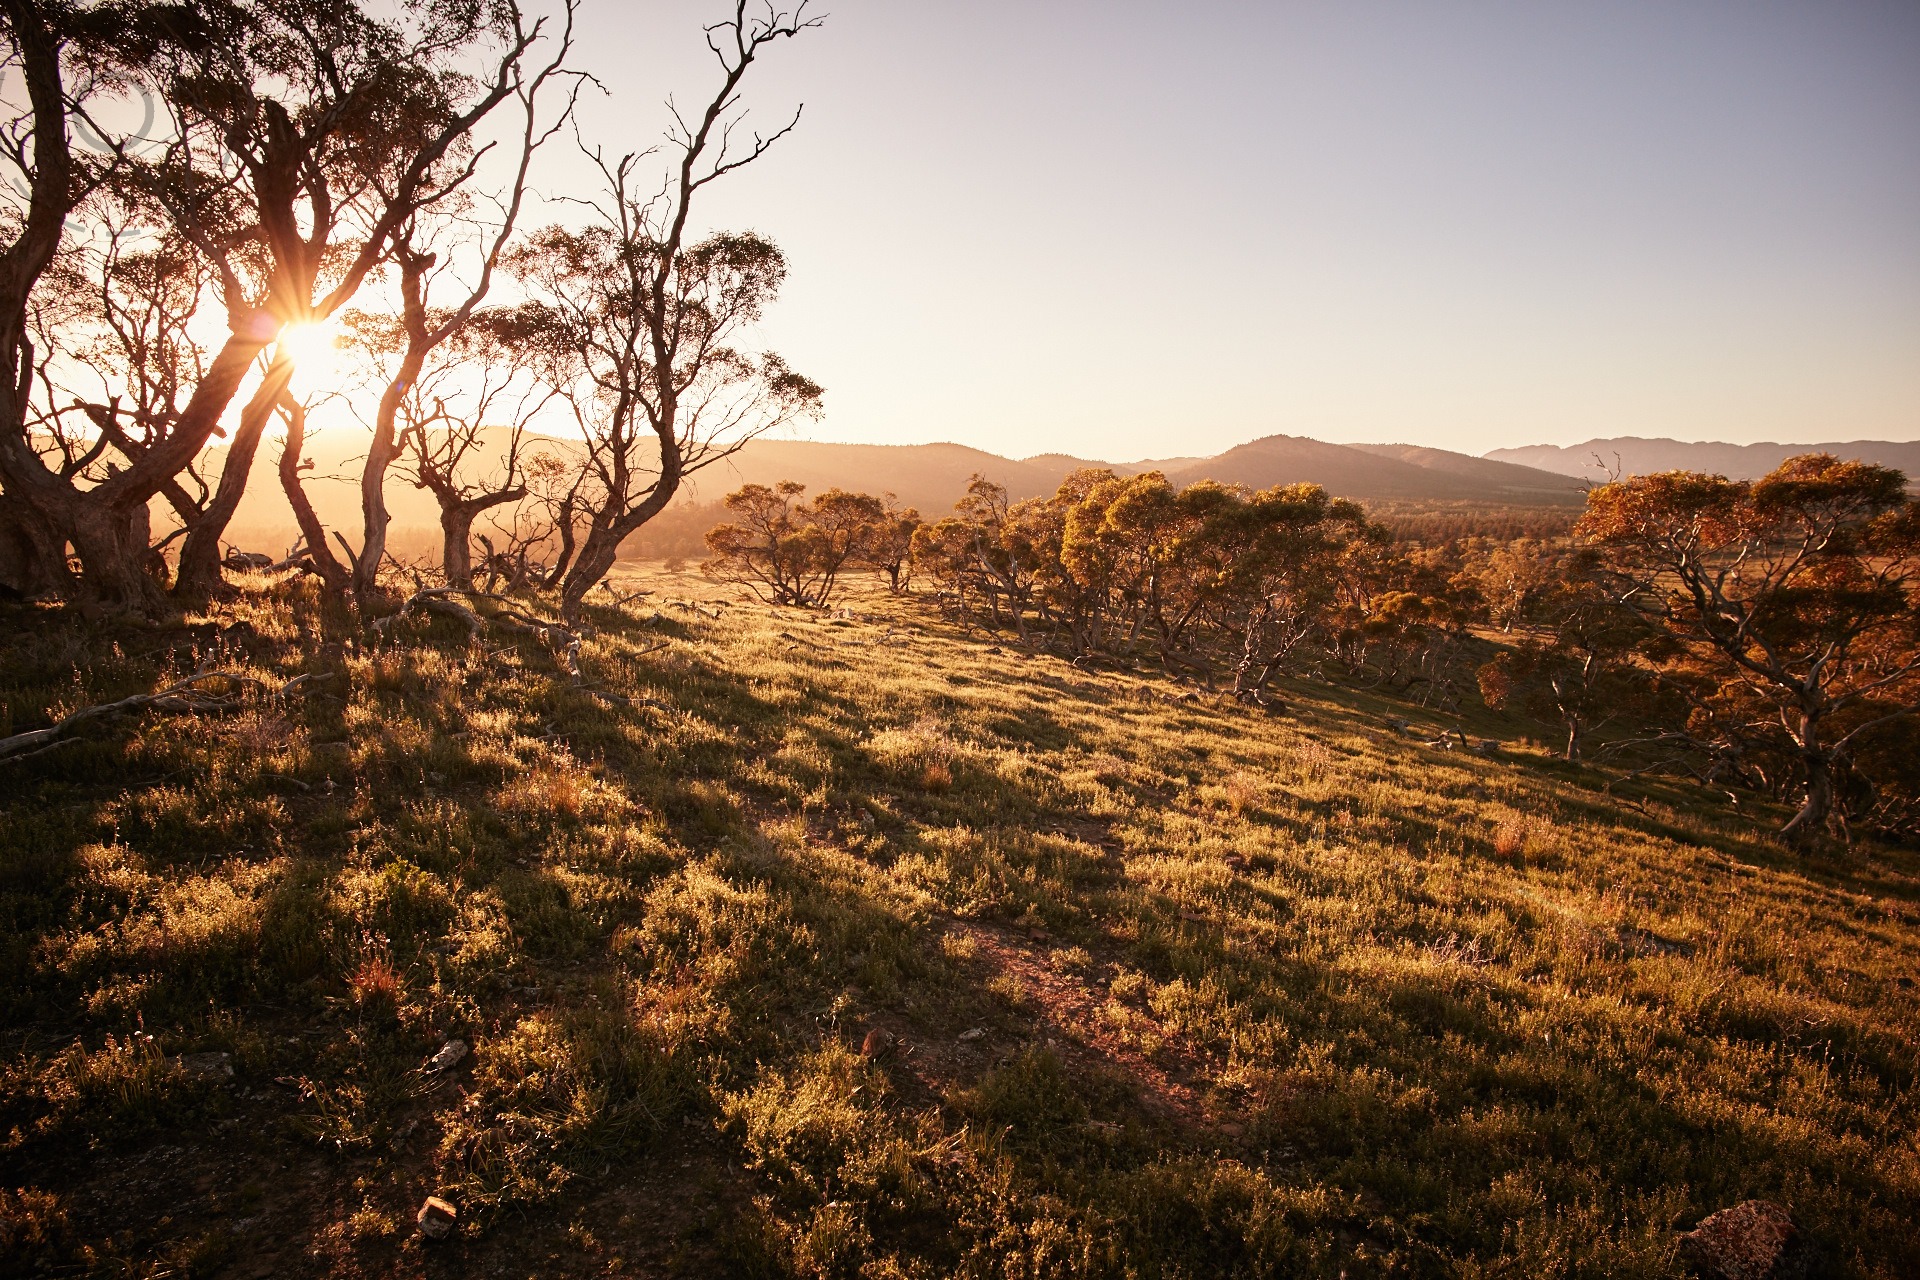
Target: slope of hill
column 1402, row 472
column 1633, row 455
column 1062, row 465
column 788, row 945
column 1494, row 476
column 928, row 476
column 932, row 476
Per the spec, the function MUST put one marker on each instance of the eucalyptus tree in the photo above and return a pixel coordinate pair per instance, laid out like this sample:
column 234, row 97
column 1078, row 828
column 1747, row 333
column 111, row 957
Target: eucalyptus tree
column 648, row 316
column 465, row 423
column 292, row 139
column 1793, row 599
column 790, row 550
column 453, row 252
column 1585, row 660
column 40, row 469
column 892, row 544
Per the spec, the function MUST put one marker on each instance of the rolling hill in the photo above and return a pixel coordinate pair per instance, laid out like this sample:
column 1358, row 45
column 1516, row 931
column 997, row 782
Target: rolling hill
column 931, row 477
column 1381, row 472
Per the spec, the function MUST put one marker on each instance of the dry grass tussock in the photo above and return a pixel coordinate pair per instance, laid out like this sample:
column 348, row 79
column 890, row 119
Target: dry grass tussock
column 852, row 946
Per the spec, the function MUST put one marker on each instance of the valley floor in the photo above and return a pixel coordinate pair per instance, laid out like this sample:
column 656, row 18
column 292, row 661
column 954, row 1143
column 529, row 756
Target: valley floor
column 859, row 944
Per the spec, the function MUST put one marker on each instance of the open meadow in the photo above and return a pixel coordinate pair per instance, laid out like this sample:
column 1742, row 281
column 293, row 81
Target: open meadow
column 863, row 943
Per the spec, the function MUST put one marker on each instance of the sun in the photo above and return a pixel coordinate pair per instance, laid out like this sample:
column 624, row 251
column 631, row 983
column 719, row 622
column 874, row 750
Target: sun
column 314, row 349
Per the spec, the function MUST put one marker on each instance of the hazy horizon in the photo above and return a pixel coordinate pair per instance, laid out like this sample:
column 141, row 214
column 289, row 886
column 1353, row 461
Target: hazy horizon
column 1126, row 231
column 817, row 438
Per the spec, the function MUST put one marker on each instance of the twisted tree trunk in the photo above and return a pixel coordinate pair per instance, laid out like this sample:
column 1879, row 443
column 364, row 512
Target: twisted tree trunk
column 199, row 575
column 312, row 532
column 33, row 559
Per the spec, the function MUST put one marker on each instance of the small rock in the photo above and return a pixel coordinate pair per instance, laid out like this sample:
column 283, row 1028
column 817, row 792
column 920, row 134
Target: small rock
column 1755, row 1240
column 207, row 1066
column 436, row 1218
column 973, row 1033
column 448, row 1055
column 878, row 1044
column 995, row 649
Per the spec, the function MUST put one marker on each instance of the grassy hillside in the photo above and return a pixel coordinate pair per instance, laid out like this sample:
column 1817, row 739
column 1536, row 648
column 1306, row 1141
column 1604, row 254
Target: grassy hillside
column 832, row 946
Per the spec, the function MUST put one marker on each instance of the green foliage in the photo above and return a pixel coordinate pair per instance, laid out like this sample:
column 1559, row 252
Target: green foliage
column 1205, row 579
column 1793, row 603
column 789, row 551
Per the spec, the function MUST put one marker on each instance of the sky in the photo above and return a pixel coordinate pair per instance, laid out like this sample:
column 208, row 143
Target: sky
column 1124, row 230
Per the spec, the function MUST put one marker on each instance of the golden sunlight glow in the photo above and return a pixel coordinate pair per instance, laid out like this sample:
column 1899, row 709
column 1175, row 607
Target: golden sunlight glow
column 315, row 351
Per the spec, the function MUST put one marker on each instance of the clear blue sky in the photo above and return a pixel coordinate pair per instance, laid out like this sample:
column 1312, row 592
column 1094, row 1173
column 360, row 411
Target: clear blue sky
column 1129, row 230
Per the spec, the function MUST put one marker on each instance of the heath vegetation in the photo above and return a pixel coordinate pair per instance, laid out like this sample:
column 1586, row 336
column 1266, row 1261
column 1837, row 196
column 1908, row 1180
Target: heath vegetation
column 789, row 942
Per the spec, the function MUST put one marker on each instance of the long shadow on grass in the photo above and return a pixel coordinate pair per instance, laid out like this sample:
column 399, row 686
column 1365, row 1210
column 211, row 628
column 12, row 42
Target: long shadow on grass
column 1433, row 1097
column 1386, row 1079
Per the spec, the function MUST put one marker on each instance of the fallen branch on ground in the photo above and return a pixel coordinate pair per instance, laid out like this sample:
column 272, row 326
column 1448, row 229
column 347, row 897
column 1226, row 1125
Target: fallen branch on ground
column 508, row 616
column 185, row 697
column 434, row 600
column 619, row 599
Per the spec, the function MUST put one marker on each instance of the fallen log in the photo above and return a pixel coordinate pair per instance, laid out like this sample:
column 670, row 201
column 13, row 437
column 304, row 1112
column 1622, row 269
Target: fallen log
column 562, row 643
column 184, row 697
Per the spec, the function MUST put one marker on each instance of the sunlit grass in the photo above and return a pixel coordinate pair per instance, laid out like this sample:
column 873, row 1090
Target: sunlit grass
column 1168, row 988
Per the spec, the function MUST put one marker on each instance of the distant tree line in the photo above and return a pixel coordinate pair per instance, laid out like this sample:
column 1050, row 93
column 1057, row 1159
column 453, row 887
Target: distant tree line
column 1760, row 636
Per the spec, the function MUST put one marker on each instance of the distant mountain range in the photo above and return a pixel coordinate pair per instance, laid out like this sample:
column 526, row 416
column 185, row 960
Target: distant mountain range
column 1632, row 455
column 932, row 476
